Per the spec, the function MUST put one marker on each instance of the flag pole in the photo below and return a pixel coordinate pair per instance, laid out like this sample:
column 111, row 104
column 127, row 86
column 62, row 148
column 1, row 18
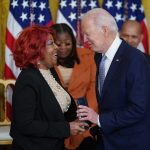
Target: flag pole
column 125, row 10
column 31, row 13
column 79, row 38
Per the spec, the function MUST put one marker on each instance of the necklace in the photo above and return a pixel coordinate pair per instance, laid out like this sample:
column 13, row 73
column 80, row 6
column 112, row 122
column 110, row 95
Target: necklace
column 61, row 95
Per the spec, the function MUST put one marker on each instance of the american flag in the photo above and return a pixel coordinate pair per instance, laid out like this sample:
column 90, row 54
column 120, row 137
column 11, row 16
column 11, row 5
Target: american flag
column 22, row 13
column 123, row 10
column 71, row 11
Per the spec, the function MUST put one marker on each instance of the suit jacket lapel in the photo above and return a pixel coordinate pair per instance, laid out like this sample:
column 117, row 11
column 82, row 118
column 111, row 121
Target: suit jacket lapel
column 97, row 57
column 113, row 68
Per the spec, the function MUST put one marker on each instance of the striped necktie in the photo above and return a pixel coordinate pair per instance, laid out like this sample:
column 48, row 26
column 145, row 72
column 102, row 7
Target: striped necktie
column 102, row 73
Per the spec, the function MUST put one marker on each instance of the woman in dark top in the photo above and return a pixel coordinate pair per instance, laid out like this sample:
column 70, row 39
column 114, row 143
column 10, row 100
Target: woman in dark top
column 43, row 113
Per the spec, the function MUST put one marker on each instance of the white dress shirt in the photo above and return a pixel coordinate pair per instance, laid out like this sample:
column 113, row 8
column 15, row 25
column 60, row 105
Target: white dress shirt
column 110, row 53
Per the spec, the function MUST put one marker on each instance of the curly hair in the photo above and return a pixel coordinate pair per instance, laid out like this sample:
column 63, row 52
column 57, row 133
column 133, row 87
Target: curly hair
column 30, row 46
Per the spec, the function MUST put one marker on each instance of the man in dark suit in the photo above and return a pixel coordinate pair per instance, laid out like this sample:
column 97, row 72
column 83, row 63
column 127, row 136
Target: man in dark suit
column 131, row 32
column 122, row 87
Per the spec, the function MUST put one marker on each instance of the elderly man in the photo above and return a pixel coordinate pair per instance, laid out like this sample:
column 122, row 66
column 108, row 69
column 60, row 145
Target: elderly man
column 122, row 87
column 131, row 32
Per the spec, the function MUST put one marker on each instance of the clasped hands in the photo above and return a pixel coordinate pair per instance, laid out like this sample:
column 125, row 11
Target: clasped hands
column 77, row 127
column 84, row 114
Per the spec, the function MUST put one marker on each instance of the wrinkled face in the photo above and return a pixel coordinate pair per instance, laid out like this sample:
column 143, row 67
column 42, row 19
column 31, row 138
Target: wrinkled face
column 64, row 43
column 93, row 35
column 131, row 35
column 50, row 55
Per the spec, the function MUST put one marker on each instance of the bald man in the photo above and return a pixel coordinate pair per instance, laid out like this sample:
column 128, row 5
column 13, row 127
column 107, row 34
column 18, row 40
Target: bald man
column 131, row 32
column 122, row 87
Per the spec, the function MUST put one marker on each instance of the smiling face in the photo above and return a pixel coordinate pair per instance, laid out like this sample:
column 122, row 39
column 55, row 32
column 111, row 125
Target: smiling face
column 50, row 54
column 95, row 36
column 131, row 33
column 64, row 43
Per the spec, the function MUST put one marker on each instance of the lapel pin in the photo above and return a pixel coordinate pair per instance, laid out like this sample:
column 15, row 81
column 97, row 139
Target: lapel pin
column 117, row 59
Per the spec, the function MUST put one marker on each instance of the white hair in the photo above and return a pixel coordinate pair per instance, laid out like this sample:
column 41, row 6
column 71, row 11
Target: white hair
column 101, row 17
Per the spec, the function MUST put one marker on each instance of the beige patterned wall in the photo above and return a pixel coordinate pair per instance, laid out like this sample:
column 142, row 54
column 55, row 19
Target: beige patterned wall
column 4, row 6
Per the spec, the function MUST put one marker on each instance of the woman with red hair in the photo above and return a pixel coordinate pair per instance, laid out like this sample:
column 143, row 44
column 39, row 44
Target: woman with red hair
column 43, row 113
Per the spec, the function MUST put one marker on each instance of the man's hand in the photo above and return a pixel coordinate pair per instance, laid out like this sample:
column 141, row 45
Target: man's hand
column 85, row 113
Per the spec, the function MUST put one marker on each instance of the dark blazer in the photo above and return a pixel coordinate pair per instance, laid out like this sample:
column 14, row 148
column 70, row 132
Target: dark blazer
column 37, row 120
column 147, row 57
column 125, row 101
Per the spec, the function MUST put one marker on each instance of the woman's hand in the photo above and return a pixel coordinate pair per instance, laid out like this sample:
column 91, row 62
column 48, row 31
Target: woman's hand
column 77, row 127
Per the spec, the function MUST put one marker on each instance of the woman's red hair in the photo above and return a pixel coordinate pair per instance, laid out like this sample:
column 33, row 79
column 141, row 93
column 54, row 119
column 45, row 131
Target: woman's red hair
column 30, row 46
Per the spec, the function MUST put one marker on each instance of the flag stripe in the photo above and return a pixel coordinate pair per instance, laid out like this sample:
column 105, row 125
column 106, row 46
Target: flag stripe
column 145, row 36
column 10, row 40
column 10, row 62
column 8, row 73
column 13, row 26
column 49, row 23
